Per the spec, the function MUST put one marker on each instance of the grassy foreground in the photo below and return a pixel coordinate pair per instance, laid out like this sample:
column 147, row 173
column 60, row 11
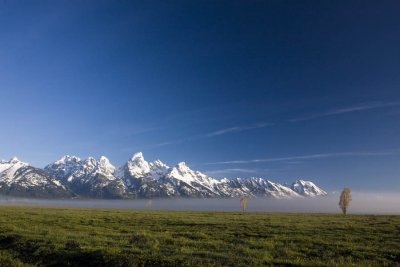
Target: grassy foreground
column 99, row 237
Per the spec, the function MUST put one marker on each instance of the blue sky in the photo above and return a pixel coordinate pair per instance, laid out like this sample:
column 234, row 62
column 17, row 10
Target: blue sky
column 277, row 89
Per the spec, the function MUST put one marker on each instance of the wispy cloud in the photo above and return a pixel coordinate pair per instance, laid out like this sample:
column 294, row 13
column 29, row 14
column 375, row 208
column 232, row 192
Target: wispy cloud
column 219, row 132
column 238, row 129
column 233, row 170
column 308, row 157
column 129, row 131
column 360, row 107
column 173, row 142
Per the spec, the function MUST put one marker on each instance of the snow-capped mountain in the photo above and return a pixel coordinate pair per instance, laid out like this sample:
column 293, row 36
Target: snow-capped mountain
column 307, row 188
column 20, row 179
column 257, row 187
column 142, row 177
column 138, row 167
column 137, row 178
column 185, row 182
column 156, row 179
column 89, row 177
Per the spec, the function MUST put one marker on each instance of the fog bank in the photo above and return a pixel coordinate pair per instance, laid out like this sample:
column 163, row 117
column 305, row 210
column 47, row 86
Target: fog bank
column 363, row 203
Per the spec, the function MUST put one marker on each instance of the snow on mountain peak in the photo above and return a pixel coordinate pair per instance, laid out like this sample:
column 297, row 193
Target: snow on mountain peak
column 182, row 172
column 159, row 163
column 14, row 160
column 17, row 176
column 104, row 161
column 8, row 168
column 68, row 158
column 137, row 155
column 139, row 178
column 106, row 166
column 307, row 188
column 137, row 165
column 158, row 169
column 91, row 160
column 194, row 178
column 183, row 167
column 70, row 168
column 103, row 166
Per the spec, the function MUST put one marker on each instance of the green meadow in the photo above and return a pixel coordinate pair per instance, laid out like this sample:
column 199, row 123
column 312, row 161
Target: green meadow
column 35, row 236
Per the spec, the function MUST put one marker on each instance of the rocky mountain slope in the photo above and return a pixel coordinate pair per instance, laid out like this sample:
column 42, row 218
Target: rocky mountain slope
column 89, row 178
column 20, row 179
column 98, row 178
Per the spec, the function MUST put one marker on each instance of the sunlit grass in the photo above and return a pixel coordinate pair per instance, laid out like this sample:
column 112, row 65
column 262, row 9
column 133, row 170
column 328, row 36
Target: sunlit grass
column 100, row 237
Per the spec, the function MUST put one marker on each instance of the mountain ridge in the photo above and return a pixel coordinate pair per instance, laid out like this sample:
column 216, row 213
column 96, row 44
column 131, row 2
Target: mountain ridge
column 71, row 176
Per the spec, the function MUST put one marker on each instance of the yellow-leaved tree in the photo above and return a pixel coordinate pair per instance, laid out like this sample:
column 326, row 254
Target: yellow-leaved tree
column 345, row 199
column 243, row 203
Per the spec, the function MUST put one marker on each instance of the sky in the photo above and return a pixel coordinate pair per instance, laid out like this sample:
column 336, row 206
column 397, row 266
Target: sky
column 275, row 89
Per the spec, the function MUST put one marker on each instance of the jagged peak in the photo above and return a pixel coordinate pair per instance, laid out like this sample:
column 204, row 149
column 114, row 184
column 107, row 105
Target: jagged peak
column 90, row 161
column 137, row 156
column 13, row 160
column 105, row 163
column 73, row 162
column 137, row 166
column 307, row 188
column 68, row 158
column 182, row 166
column 252, row 178
column 104, row 160
column 224, row 180
column 303, row 182
column 159, row 163
column 169, row 179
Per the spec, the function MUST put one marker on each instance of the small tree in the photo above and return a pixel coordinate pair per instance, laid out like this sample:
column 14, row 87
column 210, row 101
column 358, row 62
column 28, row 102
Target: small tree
column 243, row 203
column 149, row 203
column 345, row 199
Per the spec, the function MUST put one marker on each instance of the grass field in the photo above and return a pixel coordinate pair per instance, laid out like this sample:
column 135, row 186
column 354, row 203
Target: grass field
column 98, row 237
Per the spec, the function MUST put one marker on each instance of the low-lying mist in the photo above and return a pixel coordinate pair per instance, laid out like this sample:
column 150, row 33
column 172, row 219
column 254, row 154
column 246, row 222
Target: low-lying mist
column 363, row 203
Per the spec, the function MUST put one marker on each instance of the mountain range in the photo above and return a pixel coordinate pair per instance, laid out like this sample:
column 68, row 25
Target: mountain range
column 72, row 177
